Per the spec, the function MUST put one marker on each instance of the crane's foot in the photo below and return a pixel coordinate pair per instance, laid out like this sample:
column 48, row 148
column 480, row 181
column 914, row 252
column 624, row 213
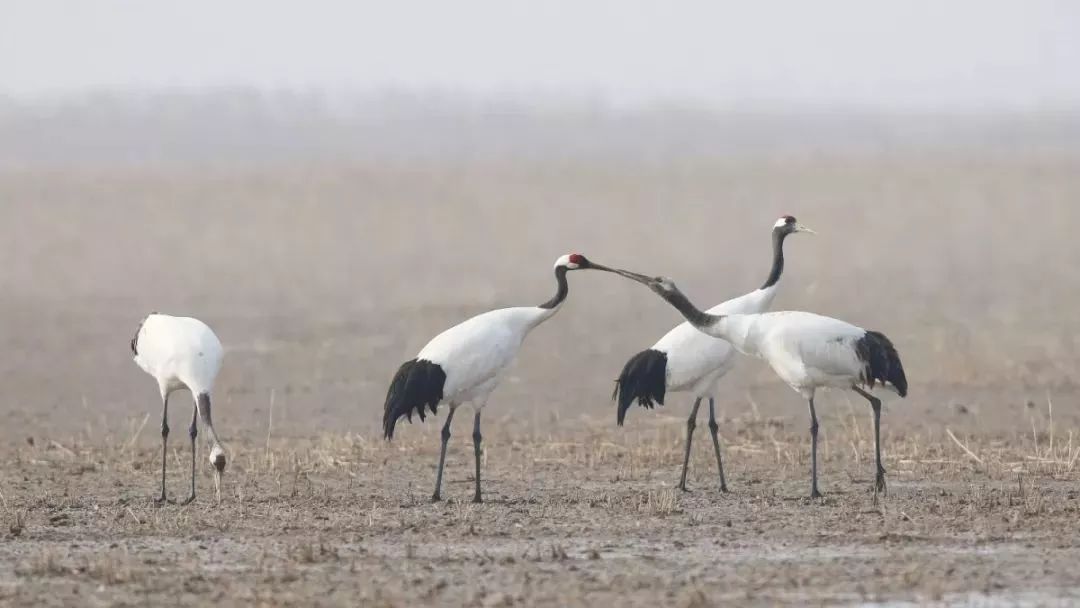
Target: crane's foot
column 435, row 497
column 477, row 500
column 723, row 488
column 814, row 493
column 162, row 500
column 682, row 486
column 189, row 499
column 879, row 483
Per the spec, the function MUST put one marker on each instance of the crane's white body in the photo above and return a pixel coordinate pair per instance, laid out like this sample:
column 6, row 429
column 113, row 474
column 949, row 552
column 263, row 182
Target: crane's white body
column 696, row 361
column 179, row 352
column 476, row 353
column 465, row 363
column 807, row 350
column 182, row 352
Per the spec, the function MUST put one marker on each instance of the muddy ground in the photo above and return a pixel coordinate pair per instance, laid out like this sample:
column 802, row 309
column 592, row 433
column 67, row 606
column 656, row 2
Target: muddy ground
column 320, row 281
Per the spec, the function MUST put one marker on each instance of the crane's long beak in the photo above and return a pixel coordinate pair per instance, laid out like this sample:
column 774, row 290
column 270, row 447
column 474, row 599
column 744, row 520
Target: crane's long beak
column 801, row 228
column 633, row 276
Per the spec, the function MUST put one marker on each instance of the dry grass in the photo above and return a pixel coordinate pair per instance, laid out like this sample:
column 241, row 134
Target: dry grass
column 291, row 467
column 330, row 513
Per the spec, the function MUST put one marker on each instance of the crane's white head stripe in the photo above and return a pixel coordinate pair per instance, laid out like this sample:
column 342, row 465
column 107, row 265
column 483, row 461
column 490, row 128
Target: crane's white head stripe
column 570, row 261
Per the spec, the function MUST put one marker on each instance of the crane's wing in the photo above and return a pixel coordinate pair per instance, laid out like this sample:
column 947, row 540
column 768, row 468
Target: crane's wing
column 822, row 345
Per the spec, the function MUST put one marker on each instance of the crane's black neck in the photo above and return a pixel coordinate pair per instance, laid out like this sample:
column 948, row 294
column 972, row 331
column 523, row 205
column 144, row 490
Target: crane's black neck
column 693, row 314
column 777, row 269
column 560, row 294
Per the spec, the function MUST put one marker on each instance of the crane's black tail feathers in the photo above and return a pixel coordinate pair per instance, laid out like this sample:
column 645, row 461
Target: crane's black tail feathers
column 417, row 383
column 643, row 378
column 138, row 330
column 881, row 362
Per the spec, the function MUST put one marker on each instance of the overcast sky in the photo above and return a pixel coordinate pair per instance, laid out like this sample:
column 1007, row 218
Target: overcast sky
column 903, row 54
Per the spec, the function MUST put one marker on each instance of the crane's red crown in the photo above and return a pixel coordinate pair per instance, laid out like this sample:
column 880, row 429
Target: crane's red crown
column 784, row 221
column 577, row 258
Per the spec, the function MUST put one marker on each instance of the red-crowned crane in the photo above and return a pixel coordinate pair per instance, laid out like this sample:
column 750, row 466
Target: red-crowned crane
column 182, row 353
column 685, row 359
column 466, row 362
column 807, row 351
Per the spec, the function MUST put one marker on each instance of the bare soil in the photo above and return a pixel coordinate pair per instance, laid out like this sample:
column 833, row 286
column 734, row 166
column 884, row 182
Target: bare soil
column 320, row 281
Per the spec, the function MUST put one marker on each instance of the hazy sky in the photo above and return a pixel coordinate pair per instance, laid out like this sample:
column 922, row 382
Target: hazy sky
column 930, row 53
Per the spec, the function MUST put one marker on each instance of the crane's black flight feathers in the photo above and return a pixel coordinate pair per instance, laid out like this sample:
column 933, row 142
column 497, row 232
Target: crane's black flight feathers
column 643, row 378
column 417, row 383
column 881, row 362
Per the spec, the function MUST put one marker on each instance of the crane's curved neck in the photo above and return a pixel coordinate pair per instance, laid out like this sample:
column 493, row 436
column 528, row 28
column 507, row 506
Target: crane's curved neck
column 697, row 317
column 736, row 329
column 777, row 269
column 560, row 294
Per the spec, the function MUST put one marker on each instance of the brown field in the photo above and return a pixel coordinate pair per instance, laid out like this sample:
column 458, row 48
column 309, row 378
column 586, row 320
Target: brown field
column 321, row 280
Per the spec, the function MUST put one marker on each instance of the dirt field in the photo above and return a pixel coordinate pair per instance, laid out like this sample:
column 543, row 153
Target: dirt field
column 320, row 281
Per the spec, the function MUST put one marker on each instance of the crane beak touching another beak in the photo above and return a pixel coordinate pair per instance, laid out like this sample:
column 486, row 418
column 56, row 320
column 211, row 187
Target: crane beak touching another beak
column 633, row 276
column 801, row 228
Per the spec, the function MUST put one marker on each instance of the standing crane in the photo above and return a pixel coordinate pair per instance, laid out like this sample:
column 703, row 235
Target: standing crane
column 182, row 353
column 807, row 351
column 685, row 359
column 465, row 363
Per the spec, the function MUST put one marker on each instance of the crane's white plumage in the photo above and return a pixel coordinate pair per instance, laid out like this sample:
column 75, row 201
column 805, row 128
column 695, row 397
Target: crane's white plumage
column 465, row 363
column 182, row 353
column 179, row 352
column 695, row 361
column 806, row 350
column 685, row 359
column 475, row 353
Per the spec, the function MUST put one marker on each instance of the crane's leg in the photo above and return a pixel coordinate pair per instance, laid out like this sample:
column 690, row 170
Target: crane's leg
column 436, row 497
column 193, row 432
column 476, row 438
column 691, row 422
column 814, row 493
column 875, row 404
column 164, row 442
column 714, row 428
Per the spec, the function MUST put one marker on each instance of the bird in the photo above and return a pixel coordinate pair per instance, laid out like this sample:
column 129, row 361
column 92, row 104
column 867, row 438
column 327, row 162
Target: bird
column 465, row 363
column 807, row 351
column 686, row 359
column 182, row 353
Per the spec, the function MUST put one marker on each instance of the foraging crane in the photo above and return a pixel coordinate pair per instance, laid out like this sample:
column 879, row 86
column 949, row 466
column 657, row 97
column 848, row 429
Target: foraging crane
column 465, row 363
column 807, row 351
column 686, row 359
column 182, row 352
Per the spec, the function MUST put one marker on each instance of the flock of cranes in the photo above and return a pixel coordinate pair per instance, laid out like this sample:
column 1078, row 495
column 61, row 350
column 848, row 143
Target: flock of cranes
column 465, row 363
column 688, row 360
